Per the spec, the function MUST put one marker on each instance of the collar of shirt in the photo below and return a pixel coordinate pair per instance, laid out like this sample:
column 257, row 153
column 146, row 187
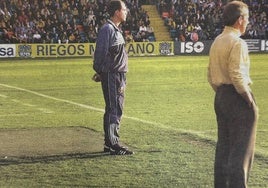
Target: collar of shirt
column 229, row 29
column 112, row 23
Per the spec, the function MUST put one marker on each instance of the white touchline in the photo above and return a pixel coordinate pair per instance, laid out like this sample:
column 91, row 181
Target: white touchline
column 44, row 110
column 74, row 103
column 3, row 96
column 53, row 98
column 101, row 110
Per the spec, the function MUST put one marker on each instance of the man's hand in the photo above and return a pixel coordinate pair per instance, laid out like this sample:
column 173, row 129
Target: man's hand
column 248, row 97
column 96, row 77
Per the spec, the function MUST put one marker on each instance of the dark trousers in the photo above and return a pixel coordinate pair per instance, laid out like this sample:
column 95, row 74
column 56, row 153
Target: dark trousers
column 113, row 87
column 236, row 138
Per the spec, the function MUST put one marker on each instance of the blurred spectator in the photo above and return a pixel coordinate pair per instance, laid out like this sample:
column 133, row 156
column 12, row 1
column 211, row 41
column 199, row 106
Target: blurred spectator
column 23, row 17
column 150, row 31
column 92, row 34
column 128, row 36
column 37, row 37
column 63, row 38
column 194, row 36
column 142, row 28
column 72, row 38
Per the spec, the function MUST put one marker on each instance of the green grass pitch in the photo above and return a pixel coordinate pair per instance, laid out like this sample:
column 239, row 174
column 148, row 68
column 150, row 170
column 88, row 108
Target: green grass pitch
column 168, row 121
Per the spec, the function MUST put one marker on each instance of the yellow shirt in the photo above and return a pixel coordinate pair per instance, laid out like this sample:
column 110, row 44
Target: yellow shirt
column 229, row 61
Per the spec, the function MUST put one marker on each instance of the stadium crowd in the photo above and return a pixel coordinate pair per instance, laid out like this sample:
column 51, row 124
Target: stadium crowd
column 71, row 21
column 62, row 21
column 201, row 19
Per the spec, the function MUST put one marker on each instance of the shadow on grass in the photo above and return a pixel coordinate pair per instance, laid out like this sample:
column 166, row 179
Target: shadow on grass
column 49, row 144
column 46, row 159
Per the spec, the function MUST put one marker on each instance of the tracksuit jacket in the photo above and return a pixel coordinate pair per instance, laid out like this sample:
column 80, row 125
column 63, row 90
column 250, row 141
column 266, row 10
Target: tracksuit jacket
column 110, row 54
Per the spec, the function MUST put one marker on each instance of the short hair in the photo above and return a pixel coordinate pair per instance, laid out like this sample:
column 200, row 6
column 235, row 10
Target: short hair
column 232, row 11
column 113, row 6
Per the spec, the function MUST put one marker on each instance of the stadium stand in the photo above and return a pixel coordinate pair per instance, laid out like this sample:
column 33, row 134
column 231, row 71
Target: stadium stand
column 201, row 19
column 72, row 21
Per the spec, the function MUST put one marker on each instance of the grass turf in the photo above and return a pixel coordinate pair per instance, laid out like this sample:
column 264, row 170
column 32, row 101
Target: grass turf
column 168, row 120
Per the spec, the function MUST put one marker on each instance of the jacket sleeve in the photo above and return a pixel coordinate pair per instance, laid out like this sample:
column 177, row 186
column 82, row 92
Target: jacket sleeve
column 101, row 50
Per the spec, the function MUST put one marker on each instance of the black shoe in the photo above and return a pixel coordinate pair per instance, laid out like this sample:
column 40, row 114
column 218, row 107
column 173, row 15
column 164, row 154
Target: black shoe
column 120, row 150
column 106, row 148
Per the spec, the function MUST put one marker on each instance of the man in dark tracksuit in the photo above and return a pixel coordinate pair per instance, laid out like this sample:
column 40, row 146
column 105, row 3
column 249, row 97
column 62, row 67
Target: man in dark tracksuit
column 111, row 65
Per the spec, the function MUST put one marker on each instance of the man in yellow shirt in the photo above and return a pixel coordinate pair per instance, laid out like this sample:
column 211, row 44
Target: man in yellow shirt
column 235, row 107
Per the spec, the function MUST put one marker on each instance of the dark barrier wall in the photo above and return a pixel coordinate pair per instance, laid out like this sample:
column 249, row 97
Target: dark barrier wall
column 133, row 49
column 189, row 48
column 202, row 47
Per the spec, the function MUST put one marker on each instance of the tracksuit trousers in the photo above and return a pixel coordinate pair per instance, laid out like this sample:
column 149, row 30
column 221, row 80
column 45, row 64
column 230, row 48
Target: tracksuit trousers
column 113, row 87
column 236, row 138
